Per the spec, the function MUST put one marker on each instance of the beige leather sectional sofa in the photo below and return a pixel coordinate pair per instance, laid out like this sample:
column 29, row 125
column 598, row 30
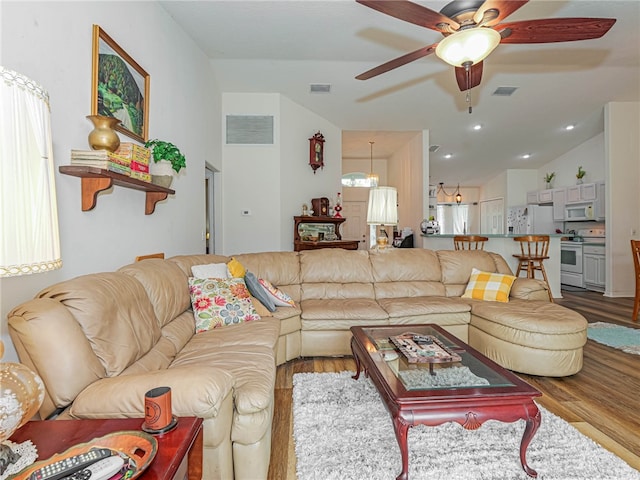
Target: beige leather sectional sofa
column 100, row 341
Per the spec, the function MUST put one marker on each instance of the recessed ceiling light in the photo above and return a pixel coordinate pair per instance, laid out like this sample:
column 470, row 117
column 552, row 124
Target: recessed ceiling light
column 448, row 155
column 526, row 155
column 569, row 127
column 477, row 127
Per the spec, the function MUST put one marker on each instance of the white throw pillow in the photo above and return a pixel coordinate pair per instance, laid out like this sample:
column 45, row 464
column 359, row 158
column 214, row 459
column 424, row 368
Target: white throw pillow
column 210, row 270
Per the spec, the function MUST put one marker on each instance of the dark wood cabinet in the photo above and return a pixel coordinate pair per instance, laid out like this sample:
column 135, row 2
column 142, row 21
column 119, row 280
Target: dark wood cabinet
column 313, row 232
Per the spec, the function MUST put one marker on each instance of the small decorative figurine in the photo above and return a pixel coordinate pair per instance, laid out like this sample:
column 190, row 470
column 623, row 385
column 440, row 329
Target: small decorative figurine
column 338, row 206
column 305, row 210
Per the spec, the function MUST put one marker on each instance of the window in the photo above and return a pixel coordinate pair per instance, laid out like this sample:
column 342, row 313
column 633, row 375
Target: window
column 355, row 179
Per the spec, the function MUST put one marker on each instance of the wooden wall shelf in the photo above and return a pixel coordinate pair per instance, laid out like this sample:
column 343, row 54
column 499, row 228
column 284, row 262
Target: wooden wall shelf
column 95, row 180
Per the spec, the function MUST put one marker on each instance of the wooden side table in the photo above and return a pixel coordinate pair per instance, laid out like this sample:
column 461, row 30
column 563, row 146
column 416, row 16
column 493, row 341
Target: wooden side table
column 179, row 453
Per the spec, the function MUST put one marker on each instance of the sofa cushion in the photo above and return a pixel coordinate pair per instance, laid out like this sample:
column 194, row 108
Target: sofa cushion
column 342, row 309
column 115, row 314
column 405, row 273
column 493, row 287
column 457, row 265
column 220, row 302
column 336, row 273
column 537, row 324
column 410, row 306
column 166, row 287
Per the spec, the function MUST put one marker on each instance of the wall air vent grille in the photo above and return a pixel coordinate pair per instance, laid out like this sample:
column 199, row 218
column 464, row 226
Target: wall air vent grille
column 504, row 91
column 320, row 88
column 434, row 148
column 249, row 130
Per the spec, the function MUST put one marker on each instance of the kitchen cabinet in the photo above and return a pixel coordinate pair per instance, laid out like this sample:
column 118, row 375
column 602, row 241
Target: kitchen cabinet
column 545, row 196
column 532, row 198
column 558, row 198
column 581, row 193
column 594, row 267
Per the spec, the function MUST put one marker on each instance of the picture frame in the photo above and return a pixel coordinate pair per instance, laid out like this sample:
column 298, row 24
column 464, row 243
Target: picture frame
column 119, row 87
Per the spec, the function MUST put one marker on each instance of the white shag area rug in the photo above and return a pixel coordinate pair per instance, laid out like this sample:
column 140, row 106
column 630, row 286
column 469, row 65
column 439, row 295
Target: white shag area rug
column 343, row 431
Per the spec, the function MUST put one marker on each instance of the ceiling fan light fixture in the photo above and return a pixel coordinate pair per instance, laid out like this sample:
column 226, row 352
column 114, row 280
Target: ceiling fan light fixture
column 468, row 47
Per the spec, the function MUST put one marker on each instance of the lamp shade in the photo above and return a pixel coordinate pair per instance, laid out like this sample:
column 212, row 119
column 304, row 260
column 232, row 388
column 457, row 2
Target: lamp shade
column 28, row 212
column 383, row 206
column 468, row 46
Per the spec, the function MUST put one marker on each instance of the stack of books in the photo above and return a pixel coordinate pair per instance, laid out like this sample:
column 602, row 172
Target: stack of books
column 102, row 159
column 138, row 157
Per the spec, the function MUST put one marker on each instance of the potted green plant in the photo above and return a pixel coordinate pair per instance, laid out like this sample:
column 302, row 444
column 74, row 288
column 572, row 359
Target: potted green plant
column 581, row 173
column 548, row 178
column 167, row 158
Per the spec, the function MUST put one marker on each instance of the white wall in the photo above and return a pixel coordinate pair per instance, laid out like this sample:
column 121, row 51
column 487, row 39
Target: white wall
column 622, row 167
column 590, row 155
column 50, row 42
column 274, row 181
column 406, row 174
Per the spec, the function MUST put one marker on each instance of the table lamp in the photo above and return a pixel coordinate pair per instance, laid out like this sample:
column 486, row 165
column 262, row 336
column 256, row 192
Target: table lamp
column 21, row 394
column 30, row 240
column 383, row 211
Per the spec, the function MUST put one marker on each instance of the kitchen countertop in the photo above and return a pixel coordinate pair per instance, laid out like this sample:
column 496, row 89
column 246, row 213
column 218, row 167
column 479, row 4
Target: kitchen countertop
column 494, row 235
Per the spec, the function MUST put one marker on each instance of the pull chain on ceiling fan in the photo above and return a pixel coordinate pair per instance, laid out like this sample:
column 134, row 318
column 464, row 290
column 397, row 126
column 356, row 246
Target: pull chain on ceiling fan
column 460, row 20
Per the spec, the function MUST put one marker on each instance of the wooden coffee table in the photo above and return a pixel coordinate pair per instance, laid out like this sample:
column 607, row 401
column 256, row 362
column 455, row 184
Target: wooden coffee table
column 410, row 396
column 179, row 454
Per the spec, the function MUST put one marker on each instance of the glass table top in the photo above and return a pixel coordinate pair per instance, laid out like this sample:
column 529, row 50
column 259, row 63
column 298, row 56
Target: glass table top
column 424, row 359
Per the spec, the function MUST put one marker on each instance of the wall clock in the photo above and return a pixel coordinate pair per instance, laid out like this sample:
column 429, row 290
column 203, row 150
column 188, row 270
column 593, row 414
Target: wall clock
column 316, row 152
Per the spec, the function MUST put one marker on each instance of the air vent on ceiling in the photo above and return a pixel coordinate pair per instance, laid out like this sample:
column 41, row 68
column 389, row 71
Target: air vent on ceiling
column 249, row 130
column 504, row 91
column 320, row 88
column 434, row 148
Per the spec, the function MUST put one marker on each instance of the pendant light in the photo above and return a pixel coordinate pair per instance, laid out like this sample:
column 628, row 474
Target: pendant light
column 372, row 177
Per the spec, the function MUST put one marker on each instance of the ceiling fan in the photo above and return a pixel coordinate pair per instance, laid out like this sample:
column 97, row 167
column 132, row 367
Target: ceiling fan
column 472, row 29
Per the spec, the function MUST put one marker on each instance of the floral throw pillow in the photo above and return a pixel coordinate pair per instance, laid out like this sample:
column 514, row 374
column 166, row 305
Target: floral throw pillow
column 280, row 299
column 220, row 302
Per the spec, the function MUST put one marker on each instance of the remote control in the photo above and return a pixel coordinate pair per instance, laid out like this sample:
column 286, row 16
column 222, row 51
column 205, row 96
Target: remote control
column 101, row 470
column 64, row 468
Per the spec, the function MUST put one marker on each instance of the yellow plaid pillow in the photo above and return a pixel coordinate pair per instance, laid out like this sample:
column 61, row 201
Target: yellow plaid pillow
column 493, row 287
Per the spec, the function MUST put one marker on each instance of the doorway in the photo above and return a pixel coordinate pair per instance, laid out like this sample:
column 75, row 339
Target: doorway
column 209, row 230
column 355, row 226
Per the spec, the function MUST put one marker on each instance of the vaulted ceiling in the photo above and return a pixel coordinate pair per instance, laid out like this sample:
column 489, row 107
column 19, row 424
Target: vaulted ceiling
column 286, row 46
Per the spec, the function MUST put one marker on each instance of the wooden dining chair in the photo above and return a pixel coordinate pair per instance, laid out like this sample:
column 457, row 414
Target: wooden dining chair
column 635, row 249
column 469, row 242
column 534, row 250
column 152, row 255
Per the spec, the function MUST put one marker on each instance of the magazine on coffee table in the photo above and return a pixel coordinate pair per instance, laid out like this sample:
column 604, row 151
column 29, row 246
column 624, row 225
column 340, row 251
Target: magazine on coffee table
column 423, row 349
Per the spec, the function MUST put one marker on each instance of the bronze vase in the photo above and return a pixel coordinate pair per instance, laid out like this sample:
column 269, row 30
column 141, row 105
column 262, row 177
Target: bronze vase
column 103, row 136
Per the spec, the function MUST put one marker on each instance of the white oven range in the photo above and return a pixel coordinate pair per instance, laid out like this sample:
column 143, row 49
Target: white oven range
column 571, row 255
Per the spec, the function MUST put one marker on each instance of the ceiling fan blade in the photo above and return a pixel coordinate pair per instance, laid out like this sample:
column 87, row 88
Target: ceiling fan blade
column 554, row 30
column 397, row 62
column 504, row 9
column 411, row 12
column 468, row 80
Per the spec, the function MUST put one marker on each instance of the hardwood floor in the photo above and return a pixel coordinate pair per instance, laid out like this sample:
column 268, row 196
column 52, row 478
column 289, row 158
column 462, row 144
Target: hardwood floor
column 602, row 400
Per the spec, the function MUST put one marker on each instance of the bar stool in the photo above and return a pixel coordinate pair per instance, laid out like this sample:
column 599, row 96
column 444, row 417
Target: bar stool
column 635, row 249
column 534, row 250
column 469, row 242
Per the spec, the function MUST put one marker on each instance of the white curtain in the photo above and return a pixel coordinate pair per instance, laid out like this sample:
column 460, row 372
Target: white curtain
column 29, row 239
column 453, row 219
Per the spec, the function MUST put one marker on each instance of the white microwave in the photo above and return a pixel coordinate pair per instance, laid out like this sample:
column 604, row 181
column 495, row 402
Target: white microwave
column 578, row 212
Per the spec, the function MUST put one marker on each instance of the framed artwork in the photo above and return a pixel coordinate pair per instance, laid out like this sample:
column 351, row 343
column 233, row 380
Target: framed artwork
column 119, row 87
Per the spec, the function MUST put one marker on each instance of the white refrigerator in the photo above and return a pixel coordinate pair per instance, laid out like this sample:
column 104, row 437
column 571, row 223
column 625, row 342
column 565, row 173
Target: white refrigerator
column 530, row 219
